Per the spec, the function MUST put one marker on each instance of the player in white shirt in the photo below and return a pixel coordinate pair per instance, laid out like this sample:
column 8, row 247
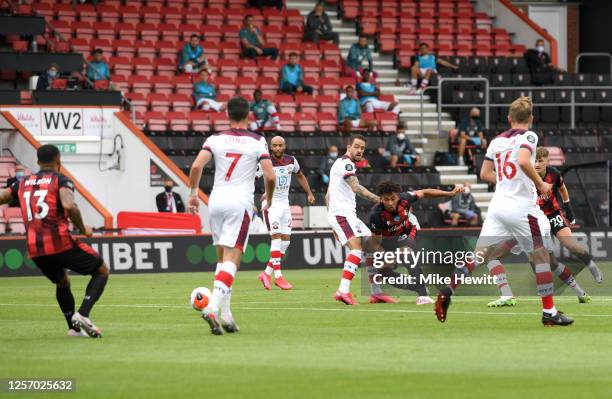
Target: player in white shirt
column 236, row 153
column 278, row 216
column 342, row 212
column 513, row 212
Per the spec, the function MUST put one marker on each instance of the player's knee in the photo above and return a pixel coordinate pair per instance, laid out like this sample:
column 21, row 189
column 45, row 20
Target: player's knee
column 540, row 255
column 64, row 281
column 103, row 270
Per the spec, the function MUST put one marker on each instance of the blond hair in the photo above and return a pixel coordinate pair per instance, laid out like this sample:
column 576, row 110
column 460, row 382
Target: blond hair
column 520, row 110
column 542, row 152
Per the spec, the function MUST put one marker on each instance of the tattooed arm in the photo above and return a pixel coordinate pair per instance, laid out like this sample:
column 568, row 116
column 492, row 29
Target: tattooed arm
column 361, row 190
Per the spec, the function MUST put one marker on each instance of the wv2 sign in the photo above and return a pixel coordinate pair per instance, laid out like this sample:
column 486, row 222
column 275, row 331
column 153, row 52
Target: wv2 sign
column 62, row 122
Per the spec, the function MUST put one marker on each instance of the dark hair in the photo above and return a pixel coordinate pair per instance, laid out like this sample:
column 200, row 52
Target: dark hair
column 348, row 87
column 247, row 17
column 365, row 70
column 194, row 35
column 257, row 91
column 363, row 37
column 47, row 153
column 388, row 187
column 354, row 137
column 293, row 54
column 237, row 109
column 97, row 51
column 53, row 65
column 423, row 44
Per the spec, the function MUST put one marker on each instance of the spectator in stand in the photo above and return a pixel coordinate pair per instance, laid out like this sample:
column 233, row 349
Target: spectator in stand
column 192, row 56
column 470, row 132
column 327, row 163
column 292, row 77
column 349, row 113
column 252, row 41
column 205, row 94
column 358, row 53
column 319, row 27
column 97, row 69
column 399, row 149
column 424, row 65
column 265, row 113
column 260, row 4
column 540, row 66
column 45, row 80
column 463, row 206
column 169, row 201
column 369, row 93
column 19, row 173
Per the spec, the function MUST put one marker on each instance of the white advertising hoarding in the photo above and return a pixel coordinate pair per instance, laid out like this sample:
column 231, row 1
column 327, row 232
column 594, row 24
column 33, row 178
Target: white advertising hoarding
column 65, row 121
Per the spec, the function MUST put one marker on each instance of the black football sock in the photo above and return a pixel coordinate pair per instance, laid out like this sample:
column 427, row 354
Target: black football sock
column 66, row 302
column 417, row 287
column 92, row 293
column 417, row 272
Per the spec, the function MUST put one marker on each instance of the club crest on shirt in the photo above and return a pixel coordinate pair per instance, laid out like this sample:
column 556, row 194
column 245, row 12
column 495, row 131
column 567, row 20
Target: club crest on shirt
column 348, row 167
column 531, row 139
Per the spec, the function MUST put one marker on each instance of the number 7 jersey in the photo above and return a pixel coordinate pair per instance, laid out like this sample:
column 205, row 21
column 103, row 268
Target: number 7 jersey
column 236, row 153
column 514, row 188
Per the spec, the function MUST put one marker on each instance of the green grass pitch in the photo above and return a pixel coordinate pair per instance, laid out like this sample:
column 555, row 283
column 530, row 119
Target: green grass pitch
column 301, row 343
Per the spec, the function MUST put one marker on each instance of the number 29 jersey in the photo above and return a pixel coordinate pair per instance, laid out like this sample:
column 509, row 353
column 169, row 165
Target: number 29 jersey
column 47, row 226
column 514, row 188
column 236, row 153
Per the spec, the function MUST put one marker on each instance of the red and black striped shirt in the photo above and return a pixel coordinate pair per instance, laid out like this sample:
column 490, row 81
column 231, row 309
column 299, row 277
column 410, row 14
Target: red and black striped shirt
column 47, row 225
column 394, row 224
column 551, row 204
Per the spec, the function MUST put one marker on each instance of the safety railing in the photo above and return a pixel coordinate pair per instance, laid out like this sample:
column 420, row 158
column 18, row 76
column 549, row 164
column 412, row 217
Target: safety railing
column 528, row 90
column 591, row 55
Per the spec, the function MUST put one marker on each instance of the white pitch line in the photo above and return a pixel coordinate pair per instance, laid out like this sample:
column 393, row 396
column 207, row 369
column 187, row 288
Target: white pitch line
column 354, row 309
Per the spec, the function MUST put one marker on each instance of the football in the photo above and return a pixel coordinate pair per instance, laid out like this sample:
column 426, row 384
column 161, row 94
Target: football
column 199, row 298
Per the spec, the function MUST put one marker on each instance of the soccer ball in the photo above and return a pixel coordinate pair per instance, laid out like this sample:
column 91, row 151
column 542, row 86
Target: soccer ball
column 200, row 297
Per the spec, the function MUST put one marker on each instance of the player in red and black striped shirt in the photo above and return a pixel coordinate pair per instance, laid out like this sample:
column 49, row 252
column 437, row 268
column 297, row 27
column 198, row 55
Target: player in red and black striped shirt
column 560, row 221
column 47, row 202
column 394, row 226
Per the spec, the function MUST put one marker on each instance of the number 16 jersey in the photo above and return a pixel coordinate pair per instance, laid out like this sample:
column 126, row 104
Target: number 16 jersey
column 514, row 188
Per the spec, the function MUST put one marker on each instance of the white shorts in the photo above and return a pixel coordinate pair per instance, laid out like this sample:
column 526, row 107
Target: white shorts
column 529, row 227
column 348, row 226
column 207, row 104
column 260, row 124
column 372, row 105
column 229, row 222
column 356, row 123
column 424, row 71
column 278, row 220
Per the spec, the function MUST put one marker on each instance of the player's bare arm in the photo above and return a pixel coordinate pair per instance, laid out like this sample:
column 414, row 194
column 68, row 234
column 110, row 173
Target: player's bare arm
column 306, row 187
column 195, row 174
column 435, row 193
column 360, row 190
column 5, row 196
column 487, row 172
column 74, row 213
column 269, row 181
column 524, row 161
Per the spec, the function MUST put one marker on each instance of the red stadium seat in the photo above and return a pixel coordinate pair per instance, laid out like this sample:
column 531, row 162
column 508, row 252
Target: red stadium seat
column 178, row 121
column 159, row 102
column 200, row 121
column 183, row 84
column 162, row 84
column 155, row 121
column 59, row 84
column 180, row 102
column 327, row 122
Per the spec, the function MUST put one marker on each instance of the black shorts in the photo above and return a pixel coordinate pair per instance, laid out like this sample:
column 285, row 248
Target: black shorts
column 81, row 259
column 557, row 222
column 391, row 243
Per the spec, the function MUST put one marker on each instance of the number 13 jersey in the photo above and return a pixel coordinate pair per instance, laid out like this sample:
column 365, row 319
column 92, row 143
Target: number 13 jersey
column 514, row 188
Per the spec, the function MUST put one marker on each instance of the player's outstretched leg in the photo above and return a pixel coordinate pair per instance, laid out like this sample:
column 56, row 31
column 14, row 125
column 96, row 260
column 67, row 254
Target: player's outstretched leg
column 343, row 294
column 579, row 251
column 497, row 270
column 568, row 278
column 279, row 280
column 443, row 300
column 376, row 293
column 93, row 292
